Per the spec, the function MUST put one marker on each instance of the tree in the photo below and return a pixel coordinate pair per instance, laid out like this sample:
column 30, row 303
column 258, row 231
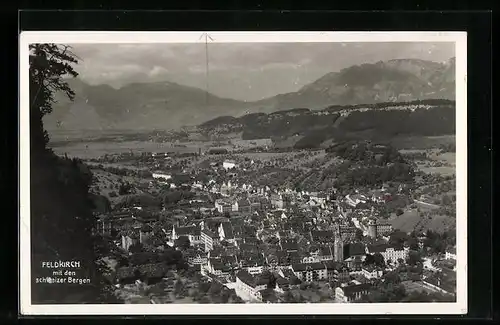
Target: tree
column 124, row 189
column 215, row 289
column 48, row 64
column 414, row 258
column 178, row 287
column 270, row 279
column 61, row 211
column 136, row 248
column 378, row 259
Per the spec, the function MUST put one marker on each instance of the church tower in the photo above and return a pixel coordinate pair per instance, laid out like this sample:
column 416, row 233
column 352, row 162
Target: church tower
column 338, row 249
column 372, row 229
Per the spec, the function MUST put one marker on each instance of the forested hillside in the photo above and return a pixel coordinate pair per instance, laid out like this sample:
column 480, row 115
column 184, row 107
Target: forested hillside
column 370, row 121
column 61, row 209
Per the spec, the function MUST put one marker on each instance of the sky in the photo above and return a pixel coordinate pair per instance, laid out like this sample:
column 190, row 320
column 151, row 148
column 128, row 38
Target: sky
column 243, row 71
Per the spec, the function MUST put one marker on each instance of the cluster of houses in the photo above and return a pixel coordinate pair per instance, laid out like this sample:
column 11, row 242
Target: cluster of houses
column 247, row 231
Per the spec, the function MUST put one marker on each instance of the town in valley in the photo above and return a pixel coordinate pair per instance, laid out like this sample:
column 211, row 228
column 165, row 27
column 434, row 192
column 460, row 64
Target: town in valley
column 342, row 190
column 230, row 224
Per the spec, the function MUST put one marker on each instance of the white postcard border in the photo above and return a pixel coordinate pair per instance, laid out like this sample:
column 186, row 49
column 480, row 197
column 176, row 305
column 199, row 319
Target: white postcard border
column 71, row 37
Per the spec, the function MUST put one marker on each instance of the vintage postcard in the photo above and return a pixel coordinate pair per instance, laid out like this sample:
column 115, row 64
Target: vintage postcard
column 264, row 172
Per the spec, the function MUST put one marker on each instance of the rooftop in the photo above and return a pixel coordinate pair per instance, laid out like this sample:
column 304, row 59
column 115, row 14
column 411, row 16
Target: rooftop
column 355, row 288
column 250, row 280
column 189, row 230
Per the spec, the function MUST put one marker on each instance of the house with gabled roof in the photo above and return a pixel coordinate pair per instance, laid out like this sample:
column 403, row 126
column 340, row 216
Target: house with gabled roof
column 351, row 293
column 253, row 262
column 451, row 253
column 244, row 206
column 216, row 267
column 310, row 272
column 129, row 237
column 282, row 284
column 209, row 239
column 322, row 236
column 192, row 232
column 289, row 245
column 249, row 285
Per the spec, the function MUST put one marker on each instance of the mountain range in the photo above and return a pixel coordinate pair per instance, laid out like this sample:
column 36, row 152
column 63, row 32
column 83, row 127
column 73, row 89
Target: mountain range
column 167, row 105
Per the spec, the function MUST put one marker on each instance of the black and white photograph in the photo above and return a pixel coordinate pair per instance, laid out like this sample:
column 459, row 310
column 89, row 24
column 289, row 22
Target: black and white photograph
column 266, row 173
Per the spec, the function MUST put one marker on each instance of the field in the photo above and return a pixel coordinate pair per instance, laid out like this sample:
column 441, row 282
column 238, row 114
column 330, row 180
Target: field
column 422, row 143
column 97, row 149
column 444, row 170
column 415, row 286
column 107, row 183
column 411, row 220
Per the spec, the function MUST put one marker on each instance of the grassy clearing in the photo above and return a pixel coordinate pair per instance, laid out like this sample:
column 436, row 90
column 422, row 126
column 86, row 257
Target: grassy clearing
column 96, row 149
column 443, row 170
column 422, row 143
column 411, row 220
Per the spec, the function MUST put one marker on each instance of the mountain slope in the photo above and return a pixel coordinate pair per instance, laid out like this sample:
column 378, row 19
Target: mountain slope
column 311, row 128
column 137, row 106
column 394, row 80
column 166, row 105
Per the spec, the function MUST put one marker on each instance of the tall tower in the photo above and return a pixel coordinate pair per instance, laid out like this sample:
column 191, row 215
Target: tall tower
column 336, row 230
column 338, row 249
column 372, row 229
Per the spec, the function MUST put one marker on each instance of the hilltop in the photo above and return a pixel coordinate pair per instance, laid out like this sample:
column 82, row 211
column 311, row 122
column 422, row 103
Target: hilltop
column 312, row 128
column 168, row 105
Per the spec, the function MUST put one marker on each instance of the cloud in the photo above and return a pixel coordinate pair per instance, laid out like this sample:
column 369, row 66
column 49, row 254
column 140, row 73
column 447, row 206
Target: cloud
column 270, row 68
column 157, row 71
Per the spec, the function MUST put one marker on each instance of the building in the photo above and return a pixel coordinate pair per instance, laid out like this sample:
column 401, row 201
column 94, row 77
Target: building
column 249, row 285
column 145, row 233
column 380, row 196
column 384, row 228
column 209, row 239
column 226, row 232
column 372, row 229
column 129, row 238
column 451, row 253
column 338, row 250
column 326, row 253
column 229, row 164
column 322, row 236
column 310, row 272
column 355, row 199
column 216, row 267
column 217, row 151
column 282, row 285
column 289, row 245
column 192, row 232
column 223, row 206
column 244, row 206
column 348, row 232
column 161, row 177
column 354, row 262
column 196, row 258
column 103, row 225
column 352, row 292
column 371, row 272
column 310, row 259
column 389, row 252
column 342, row 275
column 277, row 201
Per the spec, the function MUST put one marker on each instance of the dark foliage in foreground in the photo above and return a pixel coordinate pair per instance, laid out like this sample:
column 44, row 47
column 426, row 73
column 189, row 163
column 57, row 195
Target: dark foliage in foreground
column 61, row 207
